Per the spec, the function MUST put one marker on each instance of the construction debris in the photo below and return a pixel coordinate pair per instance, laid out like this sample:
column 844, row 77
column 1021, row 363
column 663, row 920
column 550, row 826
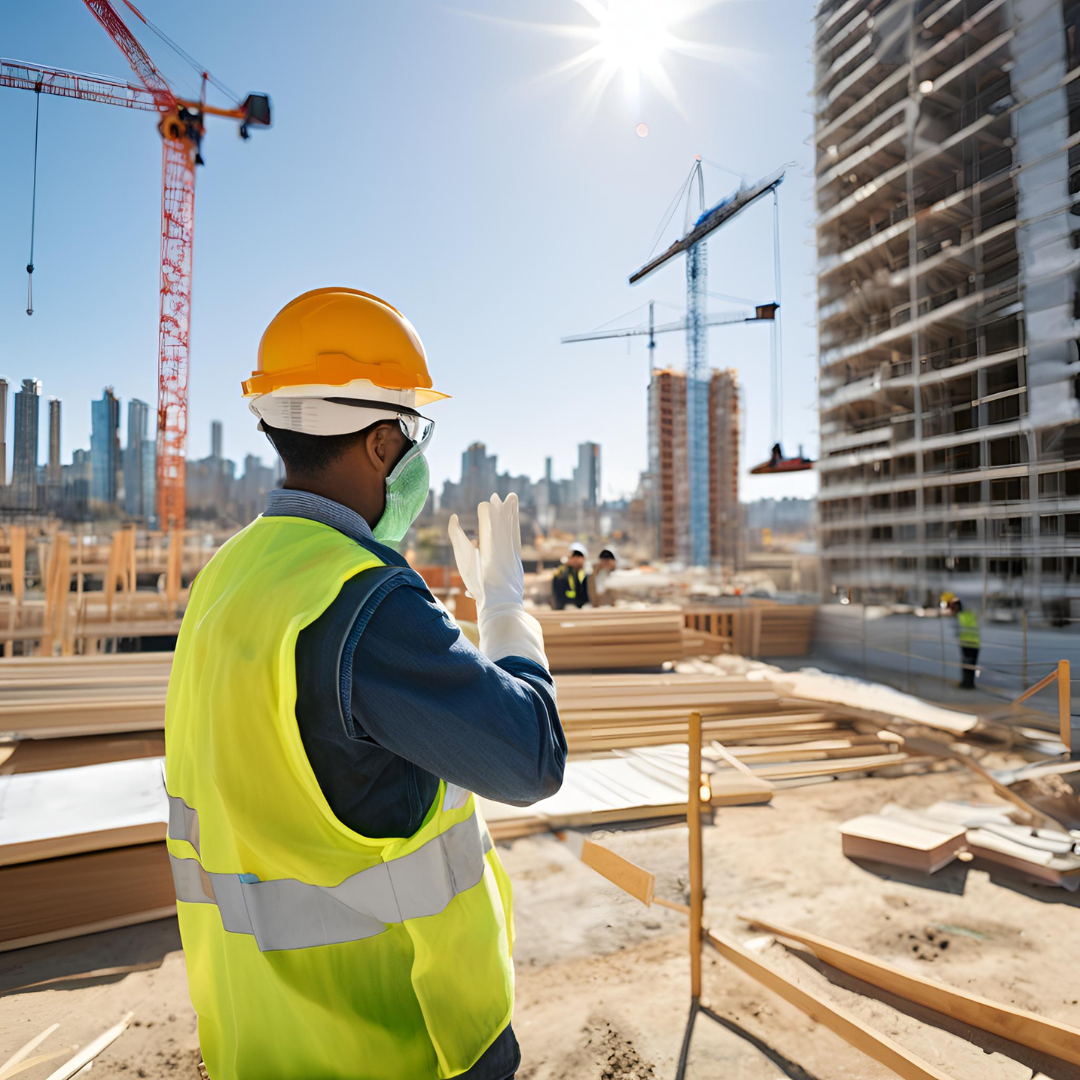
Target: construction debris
column 930, row 839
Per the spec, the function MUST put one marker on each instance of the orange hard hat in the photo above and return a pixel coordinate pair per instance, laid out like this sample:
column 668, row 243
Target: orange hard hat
column 338, row 342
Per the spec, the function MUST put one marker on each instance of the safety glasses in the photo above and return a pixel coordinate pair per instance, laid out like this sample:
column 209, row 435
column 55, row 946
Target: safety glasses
column 416, row 428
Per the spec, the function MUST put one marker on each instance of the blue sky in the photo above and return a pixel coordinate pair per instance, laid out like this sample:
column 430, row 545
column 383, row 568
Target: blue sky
column 420, row 153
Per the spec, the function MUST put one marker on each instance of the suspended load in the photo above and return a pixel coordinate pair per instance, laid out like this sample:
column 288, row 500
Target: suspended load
column 777, row 463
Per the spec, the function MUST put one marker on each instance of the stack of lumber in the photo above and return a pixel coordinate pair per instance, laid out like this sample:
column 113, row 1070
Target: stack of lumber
column 628, row 786
column 757, row 628
column 751, row 717
column 82, row 850
column 81, row 742
column 605, row 639
column 57, row 697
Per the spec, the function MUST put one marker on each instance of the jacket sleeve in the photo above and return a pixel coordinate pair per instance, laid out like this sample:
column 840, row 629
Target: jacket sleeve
column 422, row 691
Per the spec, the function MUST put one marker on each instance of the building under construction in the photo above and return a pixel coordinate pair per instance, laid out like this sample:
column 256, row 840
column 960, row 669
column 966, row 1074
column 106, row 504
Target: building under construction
column 668, row 479
column 948, row 155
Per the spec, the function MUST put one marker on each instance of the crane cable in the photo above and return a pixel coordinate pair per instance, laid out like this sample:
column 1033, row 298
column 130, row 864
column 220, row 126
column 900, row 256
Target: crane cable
column 33, row 205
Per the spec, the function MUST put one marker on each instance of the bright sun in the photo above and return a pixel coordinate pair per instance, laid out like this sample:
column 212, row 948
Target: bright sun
column 631, row 34
column 631, row 39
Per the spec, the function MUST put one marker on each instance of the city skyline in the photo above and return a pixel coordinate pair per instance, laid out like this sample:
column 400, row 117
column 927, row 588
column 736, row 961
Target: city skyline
column 584, row 194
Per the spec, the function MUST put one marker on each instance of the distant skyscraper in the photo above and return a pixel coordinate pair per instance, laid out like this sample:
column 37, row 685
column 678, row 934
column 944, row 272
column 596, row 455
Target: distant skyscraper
column 52, row 473
column 479, row 470
column 104, row 449
column 75, row 490
column 149, row 481
column 3, row 431
column 587, row 475
column 215, row 439
column 138, row 417
column 24, row 475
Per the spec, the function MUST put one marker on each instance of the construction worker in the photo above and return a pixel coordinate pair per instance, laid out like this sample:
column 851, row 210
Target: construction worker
column 568, row 587
column 342, row 909
column 967, row 628
column 598, row 582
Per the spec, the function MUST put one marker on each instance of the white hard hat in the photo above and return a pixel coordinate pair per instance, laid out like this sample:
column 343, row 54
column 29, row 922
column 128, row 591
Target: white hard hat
column 578, row 549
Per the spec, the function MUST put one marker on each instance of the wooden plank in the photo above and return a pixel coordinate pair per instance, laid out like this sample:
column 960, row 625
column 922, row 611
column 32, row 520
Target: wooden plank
column 87, row 1054
column 837, row 1019
column 55, row 847
column 41, row 755
column 631, row 878
column 1009, row 1022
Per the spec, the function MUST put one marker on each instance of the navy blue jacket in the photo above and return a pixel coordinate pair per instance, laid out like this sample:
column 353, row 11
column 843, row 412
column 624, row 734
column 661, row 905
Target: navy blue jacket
column 391, row 696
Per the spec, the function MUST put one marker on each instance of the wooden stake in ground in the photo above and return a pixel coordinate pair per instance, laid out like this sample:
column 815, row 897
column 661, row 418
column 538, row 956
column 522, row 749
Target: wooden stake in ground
column 1017, row 1025
column 697, row 888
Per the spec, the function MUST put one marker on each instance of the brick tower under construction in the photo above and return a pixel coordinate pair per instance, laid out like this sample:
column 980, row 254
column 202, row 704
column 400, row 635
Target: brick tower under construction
column 668, row 478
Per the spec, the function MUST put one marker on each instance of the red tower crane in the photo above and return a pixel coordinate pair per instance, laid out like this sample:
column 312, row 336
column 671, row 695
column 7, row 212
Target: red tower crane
column 181, row 129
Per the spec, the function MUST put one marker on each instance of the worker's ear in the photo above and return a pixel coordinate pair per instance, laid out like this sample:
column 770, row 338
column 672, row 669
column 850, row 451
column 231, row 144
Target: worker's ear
column 379, row 451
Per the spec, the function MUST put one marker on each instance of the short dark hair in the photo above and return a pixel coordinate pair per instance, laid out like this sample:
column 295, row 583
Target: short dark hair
column 308, row 454
column 607, row 553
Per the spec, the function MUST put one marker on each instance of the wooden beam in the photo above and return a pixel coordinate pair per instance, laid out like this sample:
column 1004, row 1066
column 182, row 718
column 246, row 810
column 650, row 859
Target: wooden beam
column 1031, row 691
column 631, row 878
column 838, row 1020
column 929, row 746
column 1017, row 1025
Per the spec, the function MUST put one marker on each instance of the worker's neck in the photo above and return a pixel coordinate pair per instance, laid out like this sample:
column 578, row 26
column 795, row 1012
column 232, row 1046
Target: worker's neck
column 368, row 504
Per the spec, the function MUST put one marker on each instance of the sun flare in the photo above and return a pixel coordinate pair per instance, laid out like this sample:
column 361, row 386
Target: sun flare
column 630, row 40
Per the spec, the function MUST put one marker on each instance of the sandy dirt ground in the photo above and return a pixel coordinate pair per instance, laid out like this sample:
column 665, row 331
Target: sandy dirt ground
column 603, row 983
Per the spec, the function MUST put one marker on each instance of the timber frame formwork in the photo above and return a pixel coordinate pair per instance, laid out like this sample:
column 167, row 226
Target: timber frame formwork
column 947, row 139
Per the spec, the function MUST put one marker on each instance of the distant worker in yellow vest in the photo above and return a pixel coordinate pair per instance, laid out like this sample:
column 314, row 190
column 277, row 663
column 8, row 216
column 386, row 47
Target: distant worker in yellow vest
column 967, row 629
column 342, row 909
column 568, row 586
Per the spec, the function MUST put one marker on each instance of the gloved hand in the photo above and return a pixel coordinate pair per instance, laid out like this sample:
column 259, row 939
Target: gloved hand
column 494, row 577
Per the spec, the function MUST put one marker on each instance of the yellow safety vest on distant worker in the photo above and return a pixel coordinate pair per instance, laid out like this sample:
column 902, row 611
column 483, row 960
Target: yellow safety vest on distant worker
column 968, row 625
column 313, row 951
column 573, row 579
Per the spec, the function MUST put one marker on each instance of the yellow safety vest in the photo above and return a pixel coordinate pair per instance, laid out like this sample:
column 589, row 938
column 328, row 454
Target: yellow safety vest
column 574, row 579
column 968, row 626
column 313, row 951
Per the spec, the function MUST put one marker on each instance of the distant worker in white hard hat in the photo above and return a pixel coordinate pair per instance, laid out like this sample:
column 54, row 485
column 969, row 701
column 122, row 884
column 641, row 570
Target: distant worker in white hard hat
column 598, row 582
column 343, row 911
column 967, row 632
column 568, row 586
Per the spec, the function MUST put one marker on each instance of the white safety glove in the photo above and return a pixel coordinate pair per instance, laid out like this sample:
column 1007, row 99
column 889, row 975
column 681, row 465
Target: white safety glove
column 494, row 577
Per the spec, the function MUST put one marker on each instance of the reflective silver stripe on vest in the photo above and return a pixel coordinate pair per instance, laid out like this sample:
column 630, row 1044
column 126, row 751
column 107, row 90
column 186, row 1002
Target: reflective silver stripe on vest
column 288, row 914
column 183, row 822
